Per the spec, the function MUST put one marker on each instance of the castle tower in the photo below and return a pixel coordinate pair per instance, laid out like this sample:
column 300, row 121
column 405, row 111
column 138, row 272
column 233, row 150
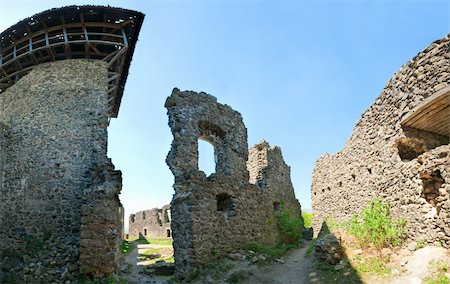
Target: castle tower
column 62, row 77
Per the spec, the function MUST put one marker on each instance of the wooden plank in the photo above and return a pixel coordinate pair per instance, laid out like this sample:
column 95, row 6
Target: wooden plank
column 432, row 115
column 442, row 116
column 427, row 108
column 428, row 121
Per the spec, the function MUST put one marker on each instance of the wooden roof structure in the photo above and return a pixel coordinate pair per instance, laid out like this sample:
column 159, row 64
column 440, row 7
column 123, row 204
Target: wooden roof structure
column 432, row 115
column 73, row 32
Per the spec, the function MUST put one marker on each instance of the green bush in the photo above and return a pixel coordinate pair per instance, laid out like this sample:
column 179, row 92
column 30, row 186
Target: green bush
column 375, row 225
column 307, row 219
column 290, row 227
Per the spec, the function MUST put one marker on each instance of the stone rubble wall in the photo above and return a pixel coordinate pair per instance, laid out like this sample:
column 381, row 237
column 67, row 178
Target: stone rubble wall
column 3, row 159
column 370, row 166
column 57, row 118
column 222, row 213
column 269, row 172
column 151, row 224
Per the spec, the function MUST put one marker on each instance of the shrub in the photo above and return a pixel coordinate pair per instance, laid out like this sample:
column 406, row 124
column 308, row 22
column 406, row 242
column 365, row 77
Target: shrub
column 307, row 219
column 290, row 227
column 126, row 247
column 375, row 225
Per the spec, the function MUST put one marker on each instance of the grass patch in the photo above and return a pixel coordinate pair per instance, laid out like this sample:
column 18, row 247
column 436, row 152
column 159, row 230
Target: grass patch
column 165, row 242
column 374, row 225
column 150, row 251
column 238, row 276
column 437, row 280
column 138, row 241
column 153, row 255
column 421, row 244
column 311, row 248
column 438, row 273
column 273, row 252
column 107, row 280
column 307, row 219
column 371, row 265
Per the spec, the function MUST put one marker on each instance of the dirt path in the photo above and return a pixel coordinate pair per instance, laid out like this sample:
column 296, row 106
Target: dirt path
column 296, row 269
column 132, row 260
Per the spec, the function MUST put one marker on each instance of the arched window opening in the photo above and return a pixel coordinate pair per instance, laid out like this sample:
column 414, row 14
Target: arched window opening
column 207, row 158
column 169, row 233
column 167, row 216
column 145, row 232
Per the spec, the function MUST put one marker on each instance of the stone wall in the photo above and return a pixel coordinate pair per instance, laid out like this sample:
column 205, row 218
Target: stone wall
column 269, row 172
column 151, row 224
column 57, row 167
column 224, row 212
column 409, row 168
column 3, row 160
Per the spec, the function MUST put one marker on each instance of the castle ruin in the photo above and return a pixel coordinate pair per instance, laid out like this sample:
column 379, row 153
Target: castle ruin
column 62, row 77
column 151, row 224
column 399, row 151
column 233, row 207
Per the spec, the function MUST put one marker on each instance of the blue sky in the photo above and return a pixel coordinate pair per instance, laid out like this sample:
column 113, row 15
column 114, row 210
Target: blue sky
column 300, row 72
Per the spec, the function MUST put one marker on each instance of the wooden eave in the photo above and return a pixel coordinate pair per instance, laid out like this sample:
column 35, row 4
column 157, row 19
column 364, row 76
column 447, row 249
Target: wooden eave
column 73, row 32
column 432, row 115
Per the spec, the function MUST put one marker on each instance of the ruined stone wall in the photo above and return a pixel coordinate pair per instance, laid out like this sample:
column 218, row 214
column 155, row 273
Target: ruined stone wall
column 269, row 172
column 151, row 224
column 56, row 117
column 3, row 160
column 407, row 167
column 224, row 212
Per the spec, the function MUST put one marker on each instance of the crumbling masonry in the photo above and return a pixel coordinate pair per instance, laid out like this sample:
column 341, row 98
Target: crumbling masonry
column 236, row 205
column 399, row 151
column 62, row 77
column 151, row 224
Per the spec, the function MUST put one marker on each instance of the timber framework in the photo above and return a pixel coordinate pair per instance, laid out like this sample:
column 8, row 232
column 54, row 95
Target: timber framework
column 73, row 32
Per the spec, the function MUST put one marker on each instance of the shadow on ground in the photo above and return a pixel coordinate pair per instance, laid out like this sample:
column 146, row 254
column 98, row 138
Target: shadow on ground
column 322, row 272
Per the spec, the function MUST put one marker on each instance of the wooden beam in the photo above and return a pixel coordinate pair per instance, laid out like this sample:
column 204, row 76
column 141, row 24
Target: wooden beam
column 118, row 55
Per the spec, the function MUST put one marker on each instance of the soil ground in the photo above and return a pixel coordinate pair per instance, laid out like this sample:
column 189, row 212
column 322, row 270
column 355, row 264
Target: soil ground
column 297, row 267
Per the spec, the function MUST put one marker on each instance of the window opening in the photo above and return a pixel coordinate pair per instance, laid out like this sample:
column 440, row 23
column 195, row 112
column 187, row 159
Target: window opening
column 225, row 204
column 206, row 157
column 276, row 206
column 431, row 184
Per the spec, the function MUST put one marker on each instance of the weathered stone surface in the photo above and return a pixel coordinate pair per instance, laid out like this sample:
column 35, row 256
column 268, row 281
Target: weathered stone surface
column 153, row 223
column 308, row 234
column 227, row 211
column 409, row 168
column 58, row 188
column 329, row 249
